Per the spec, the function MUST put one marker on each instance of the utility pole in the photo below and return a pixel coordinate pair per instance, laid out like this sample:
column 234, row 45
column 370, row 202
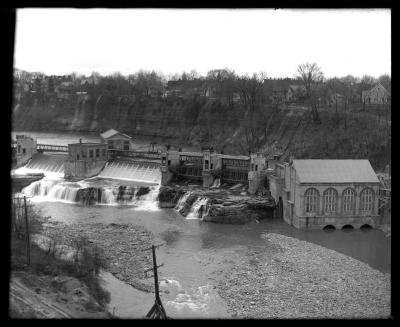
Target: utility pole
column 28, row 245
column 157, row 311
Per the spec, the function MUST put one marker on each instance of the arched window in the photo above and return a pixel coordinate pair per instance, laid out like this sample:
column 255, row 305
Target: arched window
column 348, row 200
column 330, row 200
column 311, row 198
column 366, row 200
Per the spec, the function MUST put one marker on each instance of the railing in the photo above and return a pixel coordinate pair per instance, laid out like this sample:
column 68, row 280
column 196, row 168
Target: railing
column 135, row 154
column 51, row 148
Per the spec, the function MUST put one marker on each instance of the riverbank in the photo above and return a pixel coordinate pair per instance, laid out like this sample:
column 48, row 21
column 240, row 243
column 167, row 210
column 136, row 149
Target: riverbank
column 122, row 246
column 296, row 279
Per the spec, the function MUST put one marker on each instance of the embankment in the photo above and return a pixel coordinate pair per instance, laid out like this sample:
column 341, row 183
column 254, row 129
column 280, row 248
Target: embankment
column 343, row 134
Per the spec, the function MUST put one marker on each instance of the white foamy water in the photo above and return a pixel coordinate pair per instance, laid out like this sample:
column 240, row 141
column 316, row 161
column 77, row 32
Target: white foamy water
column 200, row 203
column 148, row 202
column 132, row 171
column 182, row 201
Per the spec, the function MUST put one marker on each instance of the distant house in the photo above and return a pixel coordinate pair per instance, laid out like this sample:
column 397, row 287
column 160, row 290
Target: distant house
column 319, row 193
column 117, row 140
column 295, row 92
column 64, row 90
column 376, row 95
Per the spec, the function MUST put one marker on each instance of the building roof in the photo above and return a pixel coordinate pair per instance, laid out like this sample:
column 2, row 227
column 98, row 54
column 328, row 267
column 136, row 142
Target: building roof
column 334, row 171
column 112, row 132
column 88, row 144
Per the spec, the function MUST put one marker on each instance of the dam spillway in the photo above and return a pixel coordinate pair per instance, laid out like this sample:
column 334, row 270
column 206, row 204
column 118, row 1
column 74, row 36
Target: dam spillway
column 141, row 171
column 46, row 163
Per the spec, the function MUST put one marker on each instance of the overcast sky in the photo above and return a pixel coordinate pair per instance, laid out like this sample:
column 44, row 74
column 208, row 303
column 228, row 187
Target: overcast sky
column 341, row 42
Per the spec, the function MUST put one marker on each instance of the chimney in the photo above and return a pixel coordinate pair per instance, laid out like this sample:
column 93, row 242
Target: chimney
column 80, row 141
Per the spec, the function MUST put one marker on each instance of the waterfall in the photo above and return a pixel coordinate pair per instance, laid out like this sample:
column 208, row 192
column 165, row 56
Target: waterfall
column 52, row 190
column 199, row 208
column 148, row 202
column 182, row 201
column 108, row 196
column 216, row 184
column 86, row 192
column 52, row 165
column 133, row 171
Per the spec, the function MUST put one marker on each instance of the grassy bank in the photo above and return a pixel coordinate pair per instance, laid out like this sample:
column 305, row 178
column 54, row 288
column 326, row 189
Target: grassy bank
column 48, row 272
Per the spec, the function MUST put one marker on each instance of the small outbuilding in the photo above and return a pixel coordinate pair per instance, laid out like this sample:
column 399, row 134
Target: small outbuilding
column 117, row 140
column 320, row 193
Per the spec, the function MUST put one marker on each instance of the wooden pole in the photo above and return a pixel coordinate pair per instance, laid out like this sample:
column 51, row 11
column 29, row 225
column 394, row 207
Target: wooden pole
column 28, row 245
column 153, row 248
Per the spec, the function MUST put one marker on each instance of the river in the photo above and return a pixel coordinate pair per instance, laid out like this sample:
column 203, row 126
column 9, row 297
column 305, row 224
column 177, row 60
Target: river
column 195, row 250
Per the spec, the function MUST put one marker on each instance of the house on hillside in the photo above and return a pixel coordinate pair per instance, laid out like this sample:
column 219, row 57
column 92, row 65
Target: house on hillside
column 116, row 140
column 314, row 194
column 295, row 92
column 376, row 95
column 64, row 90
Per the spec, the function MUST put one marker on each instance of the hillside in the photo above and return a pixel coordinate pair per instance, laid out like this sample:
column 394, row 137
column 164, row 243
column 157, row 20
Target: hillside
column 229, row 128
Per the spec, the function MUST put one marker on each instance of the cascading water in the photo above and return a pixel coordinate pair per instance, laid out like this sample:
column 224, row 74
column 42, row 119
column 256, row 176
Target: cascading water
column 199, row 208
column 132, row 171
column 142, row 197
column 216, row 184
column 181, row 203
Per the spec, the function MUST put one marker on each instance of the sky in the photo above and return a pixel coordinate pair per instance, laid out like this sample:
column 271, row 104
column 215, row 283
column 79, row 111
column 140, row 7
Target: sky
column 62, row 41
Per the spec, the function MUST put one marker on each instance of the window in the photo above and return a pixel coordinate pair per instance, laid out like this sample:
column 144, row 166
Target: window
column 366, row 200
column 19, row 148
column 206, row 164
column 77, row 156
column 111, row 144
column 83, row 154
column 311, row 198
column 104, row 152
column 126, row 145
column 23, row 150
column 330, row 200
column 169, row 162
column 90, row 153
column 97, row 153
column 348, row 200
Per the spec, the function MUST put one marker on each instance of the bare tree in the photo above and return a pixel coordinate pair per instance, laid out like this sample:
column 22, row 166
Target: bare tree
column 311, row 76
column 251, row 94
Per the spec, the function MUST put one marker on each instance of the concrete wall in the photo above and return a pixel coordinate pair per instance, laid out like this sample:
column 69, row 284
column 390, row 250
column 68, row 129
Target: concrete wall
column 82, row 168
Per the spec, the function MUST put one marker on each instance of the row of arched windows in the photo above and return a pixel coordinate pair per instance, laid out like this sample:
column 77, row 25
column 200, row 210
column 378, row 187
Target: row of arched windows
column 330, row 200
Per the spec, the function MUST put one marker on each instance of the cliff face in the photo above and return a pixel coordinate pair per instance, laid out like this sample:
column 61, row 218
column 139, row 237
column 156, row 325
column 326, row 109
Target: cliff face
column 350, row 134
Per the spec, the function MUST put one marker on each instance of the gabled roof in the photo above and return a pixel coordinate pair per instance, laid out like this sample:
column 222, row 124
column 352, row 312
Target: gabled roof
column 334, row 171
column 112, row 132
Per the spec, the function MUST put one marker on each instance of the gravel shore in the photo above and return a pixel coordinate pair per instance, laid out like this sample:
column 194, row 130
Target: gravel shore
column 296, row 279
column 122, row 245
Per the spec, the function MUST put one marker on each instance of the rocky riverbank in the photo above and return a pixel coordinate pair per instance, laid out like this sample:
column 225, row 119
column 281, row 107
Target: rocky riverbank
column 296, row 279
column 224, row 206
column 122, row 244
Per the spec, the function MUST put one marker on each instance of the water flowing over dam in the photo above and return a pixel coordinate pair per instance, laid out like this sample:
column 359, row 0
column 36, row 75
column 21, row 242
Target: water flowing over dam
column 134, row 171
column 53, row 163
